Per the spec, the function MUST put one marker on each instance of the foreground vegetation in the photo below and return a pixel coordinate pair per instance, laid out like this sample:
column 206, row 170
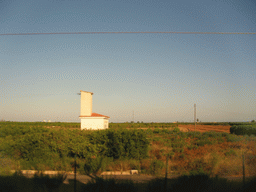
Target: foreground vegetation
column 40, row 146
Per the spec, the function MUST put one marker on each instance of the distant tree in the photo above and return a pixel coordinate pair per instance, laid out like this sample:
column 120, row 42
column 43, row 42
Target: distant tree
column 132, row 121
column 253, row 121
column 197, row 120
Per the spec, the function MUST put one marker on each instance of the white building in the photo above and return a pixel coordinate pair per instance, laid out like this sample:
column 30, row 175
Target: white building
column 90, row 120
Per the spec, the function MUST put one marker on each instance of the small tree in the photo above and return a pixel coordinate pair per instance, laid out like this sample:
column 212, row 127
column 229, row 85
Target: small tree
column 92, row 166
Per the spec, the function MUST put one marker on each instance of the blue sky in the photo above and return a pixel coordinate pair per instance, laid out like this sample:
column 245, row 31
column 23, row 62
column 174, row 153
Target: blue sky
column 158, row 76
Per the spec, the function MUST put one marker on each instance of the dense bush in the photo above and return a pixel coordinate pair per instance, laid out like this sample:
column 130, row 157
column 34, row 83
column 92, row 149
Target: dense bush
column 156, row 167
column 243, row 129
column 127, row 143
column 41, row 144
column 92, row 166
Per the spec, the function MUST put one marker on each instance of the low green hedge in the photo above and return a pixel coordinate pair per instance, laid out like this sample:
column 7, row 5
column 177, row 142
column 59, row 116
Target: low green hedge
column 240, row 123
column 243, row 129
column 121, row 143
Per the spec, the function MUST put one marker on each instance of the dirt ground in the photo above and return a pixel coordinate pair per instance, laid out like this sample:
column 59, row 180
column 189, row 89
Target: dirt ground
column 135, row 178
column 205, row 128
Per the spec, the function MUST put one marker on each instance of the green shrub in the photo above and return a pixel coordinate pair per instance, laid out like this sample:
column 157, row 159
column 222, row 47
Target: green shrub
column 176, row 130
column 243, row 130
column 105, row 162
column 192, row 147
column 5, row 164
column 212, row 134
column 156, row 138
column 156, row 130
column 92, row 166
column 224, row 134
column 149, row 132
column 233, row 138
column 178, row 144
column 196, row 166
column 134, row 164
column 165, row 131
column 127, row 144
column 178, row 150
column 204, row 142
column 193, row 134
column 231, row 152
column 156, row 167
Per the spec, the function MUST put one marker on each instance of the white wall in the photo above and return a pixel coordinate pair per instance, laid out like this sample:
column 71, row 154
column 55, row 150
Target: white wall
column 105, row 123
column 86, row 103
column 93, row 123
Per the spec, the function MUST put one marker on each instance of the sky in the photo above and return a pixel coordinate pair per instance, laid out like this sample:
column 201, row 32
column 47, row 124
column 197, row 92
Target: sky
column 156, row 77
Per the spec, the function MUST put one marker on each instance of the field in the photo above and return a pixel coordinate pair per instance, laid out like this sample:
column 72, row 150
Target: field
column 182, row 127
column 205, row 128
column 147, row 147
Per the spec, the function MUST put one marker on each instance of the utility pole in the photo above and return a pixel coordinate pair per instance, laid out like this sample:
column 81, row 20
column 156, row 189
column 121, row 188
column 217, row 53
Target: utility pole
column 75, row 175
column 133, row 116
column 195, row 115
column 243, row 172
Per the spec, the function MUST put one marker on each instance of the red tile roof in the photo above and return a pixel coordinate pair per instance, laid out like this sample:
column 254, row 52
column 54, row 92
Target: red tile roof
column 96, row 115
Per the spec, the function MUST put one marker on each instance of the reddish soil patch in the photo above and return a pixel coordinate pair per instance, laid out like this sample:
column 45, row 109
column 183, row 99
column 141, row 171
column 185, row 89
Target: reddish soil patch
column 205, row 128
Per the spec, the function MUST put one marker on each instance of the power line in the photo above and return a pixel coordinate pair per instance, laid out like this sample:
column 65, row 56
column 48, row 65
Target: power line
column 136, row 32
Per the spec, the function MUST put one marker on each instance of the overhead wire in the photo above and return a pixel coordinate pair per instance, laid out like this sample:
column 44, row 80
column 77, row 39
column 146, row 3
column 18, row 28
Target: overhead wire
column 127, row 32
